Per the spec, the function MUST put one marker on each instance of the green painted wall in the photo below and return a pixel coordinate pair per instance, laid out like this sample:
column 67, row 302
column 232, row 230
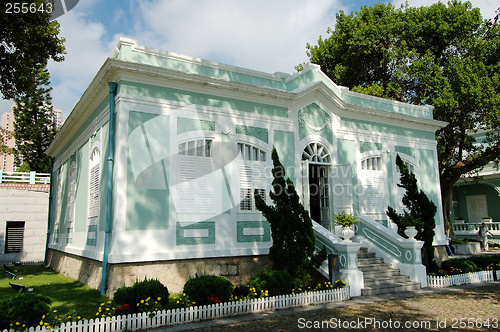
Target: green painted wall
column 385, row 128
column 463, row 190
column 284, row 141
column 147, row 208
column 98, row 111
column 346, row 152
column 369, row 146
column 207, row 226
column 128, row 54
column 103, row 185
column 259, row 133
column 405, row 150
column 185, row 125
column 429, row 177
column 313, row 120
column 82, row 185
column 263, row 226
column 153, row 91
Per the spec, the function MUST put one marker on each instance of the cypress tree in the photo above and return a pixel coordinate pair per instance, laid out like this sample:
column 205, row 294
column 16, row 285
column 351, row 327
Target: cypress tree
column 419, row 212
column 291, row 226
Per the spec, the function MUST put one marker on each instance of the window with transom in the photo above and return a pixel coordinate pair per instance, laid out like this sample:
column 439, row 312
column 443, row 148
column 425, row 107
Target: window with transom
column 252, row 175
column 316, row 152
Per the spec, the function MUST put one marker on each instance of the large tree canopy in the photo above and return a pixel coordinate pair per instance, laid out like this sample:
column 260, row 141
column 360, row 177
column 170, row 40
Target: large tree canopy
column 27, row 42
column 443, row 55
column 34, row 128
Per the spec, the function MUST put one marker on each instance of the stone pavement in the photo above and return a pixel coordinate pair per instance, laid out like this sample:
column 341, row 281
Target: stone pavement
column 473, row 307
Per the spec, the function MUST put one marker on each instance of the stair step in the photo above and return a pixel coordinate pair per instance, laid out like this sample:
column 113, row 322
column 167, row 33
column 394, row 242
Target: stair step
column 374, row 267
column 370, row 261
column 362, row 254
column 381, row 273
column 376, row 281
column 380, row 277
column 391, row 288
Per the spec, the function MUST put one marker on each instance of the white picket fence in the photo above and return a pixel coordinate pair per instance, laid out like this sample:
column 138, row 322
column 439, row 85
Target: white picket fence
column 192, row 314
column 460, row 279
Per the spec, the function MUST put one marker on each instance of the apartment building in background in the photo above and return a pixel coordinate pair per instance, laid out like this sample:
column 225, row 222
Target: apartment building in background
column 7, row 161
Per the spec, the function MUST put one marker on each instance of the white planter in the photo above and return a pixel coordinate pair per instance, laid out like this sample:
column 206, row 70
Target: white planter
column 459, row 221
column 486, row 219
column 347, row 233
column 411, row 232
column 471, row 248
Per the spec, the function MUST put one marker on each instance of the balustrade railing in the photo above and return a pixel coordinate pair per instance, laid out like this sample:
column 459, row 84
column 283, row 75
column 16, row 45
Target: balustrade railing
column 473, row 228
column 24, row 177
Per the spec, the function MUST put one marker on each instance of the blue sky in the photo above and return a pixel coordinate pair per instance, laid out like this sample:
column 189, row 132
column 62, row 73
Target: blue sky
column 263, row 35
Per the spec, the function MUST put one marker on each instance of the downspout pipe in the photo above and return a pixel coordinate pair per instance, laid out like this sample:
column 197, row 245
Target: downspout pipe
column 109, row 200
column 49, row 217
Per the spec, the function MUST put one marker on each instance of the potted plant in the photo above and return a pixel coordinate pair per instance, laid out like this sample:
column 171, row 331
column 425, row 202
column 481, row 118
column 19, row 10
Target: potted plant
column 346, row 220
column 459, row 220
column 486, row 219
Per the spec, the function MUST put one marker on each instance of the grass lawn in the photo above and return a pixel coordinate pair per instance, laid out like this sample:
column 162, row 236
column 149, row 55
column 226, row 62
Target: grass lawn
column 67, row 294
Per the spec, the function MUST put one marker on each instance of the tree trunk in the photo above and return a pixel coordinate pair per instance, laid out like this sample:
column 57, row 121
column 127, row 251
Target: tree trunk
column 447, row 200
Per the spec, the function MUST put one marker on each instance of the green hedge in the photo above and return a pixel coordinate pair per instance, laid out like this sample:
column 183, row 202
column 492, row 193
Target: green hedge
column 140, row 291
column 208, row 289
column 471, row 264
column 23, row 310
column 275, row 282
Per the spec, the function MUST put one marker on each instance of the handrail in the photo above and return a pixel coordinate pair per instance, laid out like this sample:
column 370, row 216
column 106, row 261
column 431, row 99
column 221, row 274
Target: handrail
column 347, row 253
column 403, row 254
column 24, row 177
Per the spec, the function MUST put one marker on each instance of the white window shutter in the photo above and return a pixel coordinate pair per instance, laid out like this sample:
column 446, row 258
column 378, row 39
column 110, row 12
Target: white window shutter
column 342, row 188
column 196, row 187
column 305, row 184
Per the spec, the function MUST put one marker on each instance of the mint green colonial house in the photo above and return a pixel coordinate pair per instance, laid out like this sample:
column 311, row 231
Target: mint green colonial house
column 155, row 168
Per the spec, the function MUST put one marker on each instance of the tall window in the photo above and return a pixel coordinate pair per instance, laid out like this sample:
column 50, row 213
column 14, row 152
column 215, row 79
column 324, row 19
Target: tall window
column 95, row 157
column 372, row 196
column 371, row 164
column 252, row 175
column 57, row 220
column 71, row 203
column 196, row 187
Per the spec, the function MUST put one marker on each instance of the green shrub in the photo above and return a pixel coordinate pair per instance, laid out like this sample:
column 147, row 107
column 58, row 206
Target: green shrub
column 208, row 289
column 276, row 282
column 140, row 291
column 458, row 266
column 484, row 261
column 23, row 311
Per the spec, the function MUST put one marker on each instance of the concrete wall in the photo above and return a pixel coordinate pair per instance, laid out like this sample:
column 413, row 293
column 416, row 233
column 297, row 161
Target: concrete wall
column 173, row 274
column 31, row 207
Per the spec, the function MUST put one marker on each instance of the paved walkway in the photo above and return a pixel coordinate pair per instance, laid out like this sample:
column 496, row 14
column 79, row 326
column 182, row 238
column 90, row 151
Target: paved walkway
column 461, row 308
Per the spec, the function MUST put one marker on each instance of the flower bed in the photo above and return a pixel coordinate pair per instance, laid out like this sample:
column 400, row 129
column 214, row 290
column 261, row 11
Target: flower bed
column 148, row 320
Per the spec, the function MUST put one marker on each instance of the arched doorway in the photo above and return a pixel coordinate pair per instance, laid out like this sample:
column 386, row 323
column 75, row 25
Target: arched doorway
column 316, row 162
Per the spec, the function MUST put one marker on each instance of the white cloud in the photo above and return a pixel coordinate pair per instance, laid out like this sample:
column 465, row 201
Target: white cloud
column 261, row 34
column 86, row 50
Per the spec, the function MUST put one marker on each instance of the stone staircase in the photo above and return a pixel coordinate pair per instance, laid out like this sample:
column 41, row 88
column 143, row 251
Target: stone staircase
column 380, row 278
